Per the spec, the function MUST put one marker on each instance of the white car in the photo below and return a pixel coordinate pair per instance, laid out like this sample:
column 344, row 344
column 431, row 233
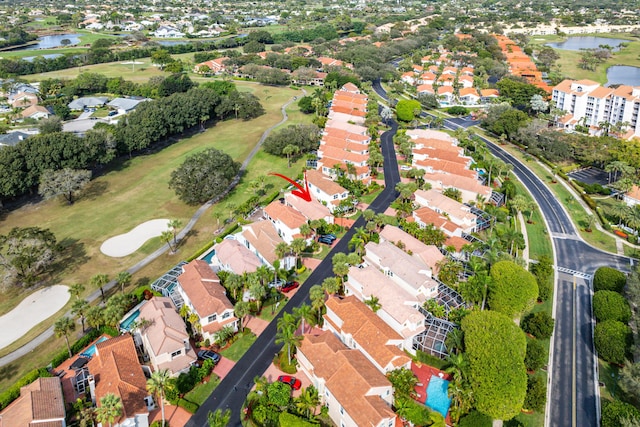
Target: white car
column 405, row 168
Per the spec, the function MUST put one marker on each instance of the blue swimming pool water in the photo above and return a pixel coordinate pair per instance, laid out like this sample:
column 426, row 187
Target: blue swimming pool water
column 125, row 325
column 438, row 396
column 89, row 352
column 209, row 256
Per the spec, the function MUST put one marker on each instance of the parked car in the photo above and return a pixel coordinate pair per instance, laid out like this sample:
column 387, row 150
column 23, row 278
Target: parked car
column 325, row 240
column 292, row 381
column 209, row 355
column 290, row 286
column 112, row 113
column 405, row 168
column 330, row 236
column 277, row 283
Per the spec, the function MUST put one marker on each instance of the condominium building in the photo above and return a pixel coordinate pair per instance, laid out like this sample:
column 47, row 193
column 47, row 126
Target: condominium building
column 589, row 104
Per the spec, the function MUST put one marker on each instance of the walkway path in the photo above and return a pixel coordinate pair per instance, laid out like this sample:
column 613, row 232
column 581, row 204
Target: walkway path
column 523, row 230
column 34, row 343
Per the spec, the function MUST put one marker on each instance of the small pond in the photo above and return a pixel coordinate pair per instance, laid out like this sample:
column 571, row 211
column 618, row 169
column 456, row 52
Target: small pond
column 590, row 42
column 48, row 56
column 624, row 75
column 50, row 42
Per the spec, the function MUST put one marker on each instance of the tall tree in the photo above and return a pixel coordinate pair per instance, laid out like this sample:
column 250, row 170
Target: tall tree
column 241, row 310
column 219, row 418
column 123, row 279
column 62, row 328
column 64, row 182
column 76, row 289
column 98, row 281
column 79, row 309
column 286, row 334
column 25, row 253
column 157, row 385
column 174, row 225
column 317, row 296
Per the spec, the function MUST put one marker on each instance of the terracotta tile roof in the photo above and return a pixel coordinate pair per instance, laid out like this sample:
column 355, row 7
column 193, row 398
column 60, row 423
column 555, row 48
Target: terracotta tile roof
column 347, row 136
column 213, row 327
column 359, row 98
column 116, row 370
column 352, row 111
column 31, row 110
column 324, row 183
column 324, row 60
column 469, row 91
column 39, row 401
column 438, row 165
column 285, row 214
column 237, row 256
column 489, row 92
column 429, row 254
column 341, row 154
column 425, row 88
column 634, row 193
column 429, row 216
column 330, row 163
column 435, row 199
column 342, row 143
column 349, row 376
column 395, row 301
column 448, row 155
column 264, row 237
column 312, row 210
column 436, row 144
column 439, row 180
column 601, row 92
column 371, row 333
column 344, row 117
column 445, row 89
column 456, row 242
column 430, row 134
column 202, row 286
column 349, row 87
column 167, row 332
column 351, row 128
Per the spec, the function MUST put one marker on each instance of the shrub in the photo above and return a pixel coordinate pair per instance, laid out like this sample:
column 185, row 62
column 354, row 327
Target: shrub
column 539, row 324
column 290, row 420
column 543, row 271
column 13, row 392
column 610, row 305
column 514, row 289
column 189, row 406
column 476, row 419
column 458, row 111
column 612, row 340
column 536, row 393
column 614, row 412
column 609, row 279
column 430, row 360
column 536, row 356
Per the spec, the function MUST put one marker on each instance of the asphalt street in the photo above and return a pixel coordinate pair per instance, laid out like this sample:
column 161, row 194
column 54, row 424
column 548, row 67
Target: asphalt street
column 232, row 391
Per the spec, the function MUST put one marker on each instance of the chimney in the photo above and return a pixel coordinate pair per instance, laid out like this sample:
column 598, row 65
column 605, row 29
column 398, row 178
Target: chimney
column 92, row 388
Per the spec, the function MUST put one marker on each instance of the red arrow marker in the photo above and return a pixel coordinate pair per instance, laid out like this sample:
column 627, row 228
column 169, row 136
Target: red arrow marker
column 303, row 193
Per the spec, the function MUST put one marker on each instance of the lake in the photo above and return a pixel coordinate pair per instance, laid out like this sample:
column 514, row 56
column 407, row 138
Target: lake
column 50, row 42
column 577, row 43
column 623, row 74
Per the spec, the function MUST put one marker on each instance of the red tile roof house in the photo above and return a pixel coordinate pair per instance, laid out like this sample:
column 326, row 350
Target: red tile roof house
column 325, row 190
column 200, row 288
column 261, row 238
column 456, row 212
column 398, row 308
column 41, row 403
column 285, row 219
column 313, row 210
column 356, row 393
column 165, row 340
column 358, row 327
column 233, row 256
column 216, row 66
column 114, row 369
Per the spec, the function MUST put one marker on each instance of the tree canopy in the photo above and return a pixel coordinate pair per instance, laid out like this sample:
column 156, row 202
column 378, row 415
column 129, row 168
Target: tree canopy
column 25, row 253
column 496, row 348
column 513, row 288
column 610, row 305
column 406, row 109
column 608, row 279
column 612, row 340
column 305, row 137
column 203, row 176
column 64, row 182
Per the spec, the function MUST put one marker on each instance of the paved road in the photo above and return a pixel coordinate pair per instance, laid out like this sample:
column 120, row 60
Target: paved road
column 40, row 339
column 232, row 391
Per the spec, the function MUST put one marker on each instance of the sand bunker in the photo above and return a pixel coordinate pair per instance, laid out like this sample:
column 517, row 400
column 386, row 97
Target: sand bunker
column 128, row 243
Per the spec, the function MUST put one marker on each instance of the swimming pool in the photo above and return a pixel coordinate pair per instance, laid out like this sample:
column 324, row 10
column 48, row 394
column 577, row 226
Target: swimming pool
column 125, row 325
column 209, row 256
column 89, row 352
column 437, row 395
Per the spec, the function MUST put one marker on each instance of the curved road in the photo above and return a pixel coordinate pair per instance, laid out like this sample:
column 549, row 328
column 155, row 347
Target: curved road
column 232, row 391
column 48, row 333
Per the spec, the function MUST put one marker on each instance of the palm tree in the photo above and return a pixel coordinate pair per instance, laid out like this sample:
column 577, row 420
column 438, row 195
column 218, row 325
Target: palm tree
column 234, row 283
column 620, row 211
column 297, row 246
column 288, row 150
column 374, row 303
column 94, row 316
column 340, row 270
column 281, row 250
column 157, row 385
column 258, row 292
column 174, row 224
column 185, row 311
column 305, row 230
column 357, row 243
column 79, row 309
column 241, row 310
column 110, row 409
column 231, row 207
column 519, row 203
column 286, row 335
column 316, row 294
column 308, row 401
column 304, row 313
column 331, row 285
column 167, row 236
column 76, row 289
column 123, row 279
column 219, row 418
column 98, row 281
column 62, row 327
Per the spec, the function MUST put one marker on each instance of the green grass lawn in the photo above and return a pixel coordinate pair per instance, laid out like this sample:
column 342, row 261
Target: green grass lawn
column 569, row 60
column 608, row 374
column 203, row 390
column 240, row 346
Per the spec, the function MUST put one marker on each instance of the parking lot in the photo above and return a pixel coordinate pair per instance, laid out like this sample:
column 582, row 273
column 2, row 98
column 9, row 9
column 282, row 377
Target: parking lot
column 591, row 176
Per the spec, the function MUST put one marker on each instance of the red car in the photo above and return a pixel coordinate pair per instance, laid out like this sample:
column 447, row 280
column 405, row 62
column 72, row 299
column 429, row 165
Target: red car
column 292, row 381
column 290, row 286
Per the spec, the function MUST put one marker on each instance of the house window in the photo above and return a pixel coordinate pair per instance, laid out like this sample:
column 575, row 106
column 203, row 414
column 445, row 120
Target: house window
column 176, row 353
column 226, row 315
column 212, row 318
column 335, row 197
column 341, row 410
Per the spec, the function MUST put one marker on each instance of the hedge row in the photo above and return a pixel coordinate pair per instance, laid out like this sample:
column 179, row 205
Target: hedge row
column 13, row 392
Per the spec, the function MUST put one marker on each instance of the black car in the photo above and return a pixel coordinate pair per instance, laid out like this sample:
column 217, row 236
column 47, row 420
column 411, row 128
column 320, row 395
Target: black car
column 209, row 355
column 329, row 236
column 325, row 240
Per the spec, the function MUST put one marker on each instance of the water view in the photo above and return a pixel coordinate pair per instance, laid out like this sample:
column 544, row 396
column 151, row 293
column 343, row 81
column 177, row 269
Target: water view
column 624, row 75
column 50, row 42
column 577, row 43
column 48, row 56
